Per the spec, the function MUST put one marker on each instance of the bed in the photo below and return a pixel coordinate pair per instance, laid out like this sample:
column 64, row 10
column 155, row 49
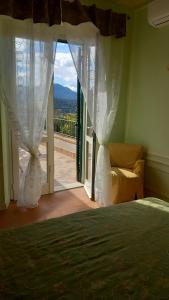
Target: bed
column 119, row 252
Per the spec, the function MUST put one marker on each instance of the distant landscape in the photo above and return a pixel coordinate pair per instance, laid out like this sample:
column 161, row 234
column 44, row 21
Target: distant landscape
column 65, row 108
column 65, row 99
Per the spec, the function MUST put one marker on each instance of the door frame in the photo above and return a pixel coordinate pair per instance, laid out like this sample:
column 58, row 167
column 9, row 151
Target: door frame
column 90, row 138
column 49, row 140
column 48, row 187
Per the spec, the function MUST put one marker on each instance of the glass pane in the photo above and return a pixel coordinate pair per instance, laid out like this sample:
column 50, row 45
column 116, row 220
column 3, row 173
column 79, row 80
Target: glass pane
column 43, row 161
column 89, row 161
column 89, row 126
column 65, row 118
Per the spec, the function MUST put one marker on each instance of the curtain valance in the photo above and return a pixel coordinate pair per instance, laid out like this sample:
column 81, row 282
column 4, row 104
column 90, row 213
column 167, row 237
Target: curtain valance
column 73, row 12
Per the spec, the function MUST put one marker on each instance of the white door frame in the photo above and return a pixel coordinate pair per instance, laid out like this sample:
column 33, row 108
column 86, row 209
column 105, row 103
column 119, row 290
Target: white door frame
column 89, row 166
column 48, row 187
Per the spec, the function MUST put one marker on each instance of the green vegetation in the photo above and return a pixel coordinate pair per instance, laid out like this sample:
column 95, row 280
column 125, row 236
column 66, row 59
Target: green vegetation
column 66, row 124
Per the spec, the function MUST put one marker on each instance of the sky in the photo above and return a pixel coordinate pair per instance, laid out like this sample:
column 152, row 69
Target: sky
column 64, row 70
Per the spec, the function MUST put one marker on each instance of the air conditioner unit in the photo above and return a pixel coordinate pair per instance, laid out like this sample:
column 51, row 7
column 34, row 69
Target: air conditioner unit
column 158, row 13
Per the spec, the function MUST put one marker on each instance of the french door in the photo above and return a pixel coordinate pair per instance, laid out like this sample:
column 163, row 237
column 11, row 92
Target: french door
column 85, row 138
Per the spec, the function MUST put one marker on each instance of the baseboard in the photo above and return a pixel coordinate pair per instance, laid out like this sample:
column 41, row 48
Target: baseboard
column 158, row 161
column 152, row 193
column 157, row 175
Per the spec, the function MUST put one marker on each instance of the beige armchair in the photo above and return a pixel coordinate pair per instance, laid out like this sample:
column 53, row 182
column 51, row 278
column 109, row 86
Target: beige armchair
column 127, row 172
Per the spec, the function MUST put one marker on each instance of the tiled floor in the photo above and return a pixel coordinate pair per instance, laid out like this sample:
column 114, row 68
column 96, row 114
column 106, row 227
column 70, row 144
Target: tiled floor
column 65, row 144
column 57, row 204
column 64, row 161
column 50, row 206
column 64, row 170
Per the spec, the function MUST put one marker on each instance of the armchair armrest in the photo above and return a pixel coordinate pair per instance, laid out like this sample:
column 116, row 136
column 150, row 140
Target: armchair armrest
column 139, row 167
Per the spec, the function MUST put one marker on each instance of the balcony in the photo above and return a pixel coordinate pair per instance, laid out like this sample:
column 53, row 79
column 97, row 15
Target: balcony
column 64, row 161
column 65, row 127
column 64, row 155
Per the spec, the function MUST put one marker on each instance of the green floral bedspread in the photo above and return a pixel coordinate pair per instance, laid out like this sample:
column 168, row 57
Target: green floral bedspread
column 119, row 252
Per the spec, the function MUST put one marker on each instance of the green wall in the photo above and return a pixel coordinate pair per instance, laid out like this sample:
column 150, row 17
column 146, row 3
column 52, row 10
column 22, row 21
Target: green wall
column 4, row 159
column 118, row 132
column 148, row 99
column 1, row 171
column 148, row 105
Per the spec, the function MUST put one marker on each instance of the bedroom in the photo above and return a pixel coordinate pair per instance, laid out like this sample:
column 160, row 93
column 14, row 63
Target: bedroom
column 143, row 114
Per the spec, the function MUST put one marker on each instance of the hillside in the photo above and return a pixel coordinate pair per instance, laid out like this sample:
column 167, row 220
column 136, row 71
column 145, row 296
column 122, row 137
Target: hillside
column 63, row 92
column 64, row 99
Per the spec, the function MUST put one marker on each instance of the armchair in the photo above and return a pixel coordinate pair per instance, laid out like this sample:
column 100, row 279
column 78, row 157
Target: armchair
column 127, row 169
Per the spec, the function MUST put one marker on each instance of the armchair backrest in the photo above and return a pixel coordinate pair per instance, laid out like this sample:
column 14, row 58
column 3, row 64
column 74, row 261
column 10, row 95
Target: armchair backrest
column 125, row 155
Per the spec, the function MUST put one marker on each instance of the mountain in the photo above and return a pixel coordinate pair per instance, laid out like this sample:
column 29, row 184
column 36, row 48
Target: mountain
column 65, row 99
column 63, row 92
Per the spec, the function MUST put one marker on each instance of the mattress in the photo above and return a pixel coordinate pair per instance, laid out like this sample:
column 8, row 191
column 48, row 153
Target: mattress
column 119, row 252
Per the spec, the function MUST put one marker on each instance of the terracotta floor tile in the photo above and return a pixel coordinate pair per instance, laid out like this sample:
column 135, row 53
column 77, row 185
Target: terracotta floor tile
column 50, row 206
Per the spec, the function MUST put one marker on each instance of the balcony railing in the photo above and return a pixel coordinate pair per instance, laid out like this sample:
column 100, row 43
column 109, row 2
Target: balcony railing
column 66, row 127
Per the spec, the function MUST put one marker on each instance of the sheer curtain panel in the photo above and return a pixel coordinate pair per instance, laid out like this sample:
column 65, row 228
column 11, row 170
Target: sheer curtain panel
column 82, row 44
column 26, row 67
column 109, row 70
column 98, row 61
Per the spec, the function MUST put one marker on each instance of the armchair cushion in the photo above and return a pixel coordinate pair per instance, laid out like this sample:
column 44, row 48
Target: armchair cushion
column 127, row 172
column 124, row 155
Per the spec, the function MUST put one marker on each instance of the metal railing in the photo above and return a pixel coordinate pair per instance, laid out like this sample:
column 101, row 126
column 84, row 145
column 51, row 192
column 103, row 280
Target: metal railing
column 65, row 127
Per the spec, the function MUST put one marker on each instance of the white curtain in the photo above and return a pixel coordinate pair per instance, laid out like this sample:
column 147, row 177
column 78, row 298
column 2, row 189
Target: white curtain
column 110, row 56
column 98, row 62
column 26, row 67
column 83, row 48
